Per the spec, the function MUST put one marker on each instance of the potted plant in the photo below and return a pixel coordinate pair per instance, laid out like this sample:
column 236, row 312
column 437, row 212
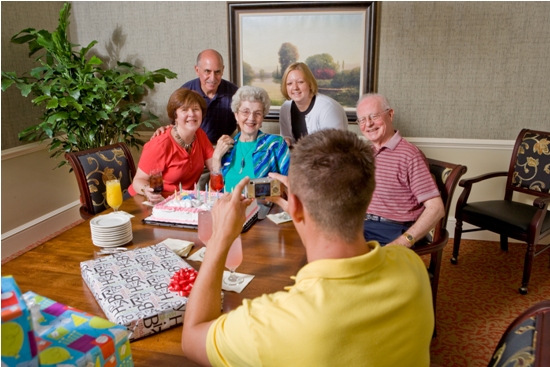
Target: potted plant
column 86, row 106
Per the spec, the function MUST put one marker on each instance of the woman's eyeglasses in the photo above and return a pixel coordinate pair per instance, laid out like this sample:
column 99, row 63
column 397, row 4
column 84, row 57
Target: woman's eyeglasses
column 256, row 115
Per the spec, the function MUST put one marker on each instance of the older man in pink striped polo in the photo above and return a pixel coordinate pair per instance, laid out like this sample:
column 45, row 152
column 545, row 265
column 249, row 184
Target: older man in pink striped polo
column 406, row 203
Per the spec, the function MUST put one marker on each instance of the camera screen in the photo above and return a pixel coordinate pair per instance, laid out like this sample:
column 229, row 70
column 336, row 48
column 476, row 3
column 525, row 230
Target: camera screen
column 263, row 189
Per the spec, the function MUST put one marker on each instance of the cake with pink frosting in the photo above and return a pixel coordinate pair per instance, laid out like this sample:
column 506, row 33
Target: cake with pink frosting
column 183, row 208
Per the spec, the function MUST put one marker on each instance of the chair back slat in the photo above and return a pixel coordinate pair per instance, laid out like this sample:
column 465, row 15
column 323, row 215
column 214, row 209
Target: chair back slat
column 529, row 170
column 446, row 176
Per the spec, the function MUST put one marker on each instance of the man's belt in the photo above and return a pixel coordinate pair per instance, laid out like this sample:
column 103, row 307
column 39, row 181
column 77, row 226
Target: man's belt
column 376, row 218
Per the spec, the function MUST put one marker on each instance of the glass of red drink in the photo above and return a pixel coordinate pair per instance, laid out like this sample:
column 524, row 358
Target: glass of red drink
column 155, row 181
column 216, row 181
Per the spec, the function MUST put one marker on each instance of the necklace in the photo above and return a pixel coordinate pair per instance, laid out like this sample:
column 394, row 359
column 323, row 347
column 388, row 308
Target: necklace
column 180, row 141
column 249, row 148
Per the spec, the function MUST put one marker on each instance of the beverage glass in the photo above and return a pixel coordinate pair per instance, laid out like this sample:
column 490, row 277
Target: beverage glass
column 155, row 181
column 233, row 261
column 216, row 181
column 205, row 226
column 114, row 194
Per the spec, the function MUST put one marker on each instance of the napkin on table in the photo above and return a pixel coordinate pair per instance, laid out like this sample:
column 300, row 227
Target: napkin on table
column 280, row 217
column 239, row 287
column 198, row 255
column 180, row 247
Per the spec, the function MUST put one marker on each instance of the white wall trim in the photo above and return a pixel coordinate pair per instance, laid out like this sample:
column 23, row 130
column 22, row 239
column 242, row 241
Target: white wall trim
column 419, row 142
column 25, row 149
column 41, row 219
column 462, row 143
column 31, row 232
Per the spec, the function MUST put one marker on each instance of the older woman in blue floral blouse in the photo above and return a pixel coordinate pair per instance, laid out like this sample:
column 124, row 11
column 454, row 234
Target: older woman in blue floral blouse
column 251, row 153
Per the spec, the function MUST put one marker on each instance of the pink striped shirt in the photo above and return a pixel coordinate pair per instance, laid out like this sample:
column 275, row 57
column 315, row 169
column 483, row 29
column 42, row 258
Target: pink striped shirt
column 403, row 181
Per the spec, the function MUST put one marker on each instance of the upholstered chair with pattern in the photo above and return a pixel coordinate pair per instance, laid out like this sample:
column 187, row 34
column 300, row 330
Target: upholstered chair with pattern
column 96, row 166
column 528, row 173
column 526, row 342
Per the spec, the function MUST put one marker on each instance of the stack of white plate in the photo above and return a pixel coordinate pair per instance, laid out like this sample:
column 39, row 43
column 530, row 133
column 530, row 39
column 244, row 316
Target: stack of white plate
column 111, row 230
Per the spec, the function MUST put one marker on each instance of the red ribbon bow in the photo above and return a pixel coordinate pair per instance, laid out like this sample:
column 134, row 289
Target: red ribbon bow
column 182, row 281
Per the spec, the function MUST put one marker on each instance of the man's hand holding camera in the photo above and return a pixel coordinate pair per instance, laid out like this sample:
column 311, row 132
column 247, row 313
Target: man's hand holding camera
column 282, row 199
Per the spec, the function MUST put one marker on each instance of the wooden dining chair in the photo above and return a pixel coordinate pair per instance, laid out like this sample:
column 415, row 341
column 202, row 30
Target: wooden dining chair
column 94, row 167
column 446, row 176
column 528, row 173
column 526, row 341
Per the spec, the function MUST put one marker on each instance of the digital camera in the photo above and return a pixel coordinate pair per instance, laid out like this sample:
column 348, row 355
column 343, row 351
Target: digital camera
column 262, row 187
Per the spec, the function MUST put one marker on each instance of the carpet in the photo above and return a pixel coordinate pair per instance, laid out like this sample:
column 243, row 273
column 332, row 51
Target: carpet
column 478, row 298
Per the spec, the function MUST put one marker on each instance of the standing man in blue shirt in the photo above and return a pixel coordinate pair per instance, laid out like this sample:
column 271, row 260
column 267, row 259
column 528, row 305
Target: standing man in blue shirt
column 217, row 93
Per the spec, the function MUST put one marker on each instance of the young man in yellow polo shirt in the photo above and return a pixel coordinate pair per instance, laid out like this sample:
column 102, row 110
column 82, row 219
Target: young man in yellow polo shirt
column 354, row 304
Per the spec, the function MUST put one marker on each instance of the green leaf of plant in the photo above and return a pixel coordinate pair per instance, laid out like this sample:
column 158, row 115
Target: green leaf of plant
column 52, row 103
column 57, row 117
column 123, row 77
column 23, row 39
column 37, row 72
column 95, row 61
column 139, row 79
column 167, row 73
column 40, row 99
column 85, row 50
column 46, row 89
column 130, row 128
column 71, row 138
column 127, row 64
column 77, row 106
column 6, row 83
column 75, row 93
column 102, row 115
column 150, row 83
column 25, row 88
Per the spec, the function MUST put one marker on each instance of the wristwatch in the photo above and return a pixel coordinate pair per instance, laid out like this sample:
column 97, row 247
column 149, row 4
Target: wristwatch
column 410, row 239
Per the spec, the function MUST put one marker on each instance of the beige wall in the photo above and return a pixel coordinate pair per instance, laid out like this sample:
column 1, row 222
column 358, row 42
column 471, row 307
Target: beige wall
column 476, row 70
column 451, row 69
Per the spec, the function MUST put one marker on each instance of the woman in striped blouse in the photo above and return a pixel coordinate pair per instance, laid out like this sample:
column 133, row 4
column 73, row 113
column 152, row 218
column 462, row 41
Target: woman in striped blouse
column 251, row 153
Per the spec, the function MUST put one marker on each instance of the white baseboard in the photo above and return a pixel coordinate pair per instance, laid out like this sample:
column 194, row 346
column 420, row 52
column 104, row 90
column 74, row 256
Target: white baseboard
column 23, row 236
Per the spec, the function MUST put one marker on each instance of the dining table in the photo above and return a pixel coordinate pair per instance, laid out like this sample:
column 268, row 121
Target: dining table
column 271, row 252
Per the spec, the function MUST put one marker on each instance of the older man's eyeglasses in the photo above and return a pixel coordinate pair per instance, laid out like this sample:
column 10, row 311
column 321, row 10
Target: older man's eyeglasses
column 374, row 117
column 256, row 114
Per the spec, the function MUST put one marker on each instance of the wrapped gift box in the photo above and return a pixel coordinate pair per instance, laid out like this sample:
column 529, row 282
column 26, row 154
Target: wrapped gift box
column 132, row 288
column 18, row 340
column 66, row 336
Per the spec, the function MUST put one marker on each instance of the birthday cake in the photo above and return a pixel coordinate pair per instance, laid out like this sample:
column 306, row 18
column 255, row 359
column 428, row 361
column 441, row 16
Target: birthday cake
column 183, row 207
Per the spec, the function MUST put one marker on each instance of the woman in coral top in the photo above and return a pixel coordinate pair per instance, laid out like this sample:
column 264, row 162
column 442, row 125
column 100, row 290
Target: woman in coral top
column 181, row 154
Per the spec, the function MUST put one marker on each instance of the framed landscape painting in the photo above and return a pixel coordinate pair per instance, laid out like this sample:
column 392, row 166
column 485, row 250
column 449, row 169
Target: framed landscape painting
column 335, row 39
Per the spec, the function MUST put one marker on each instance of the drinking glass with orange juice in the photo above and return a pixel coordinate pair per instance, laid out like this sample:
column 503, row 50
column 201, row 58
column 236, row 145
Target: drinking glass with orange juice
column 114, row 194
